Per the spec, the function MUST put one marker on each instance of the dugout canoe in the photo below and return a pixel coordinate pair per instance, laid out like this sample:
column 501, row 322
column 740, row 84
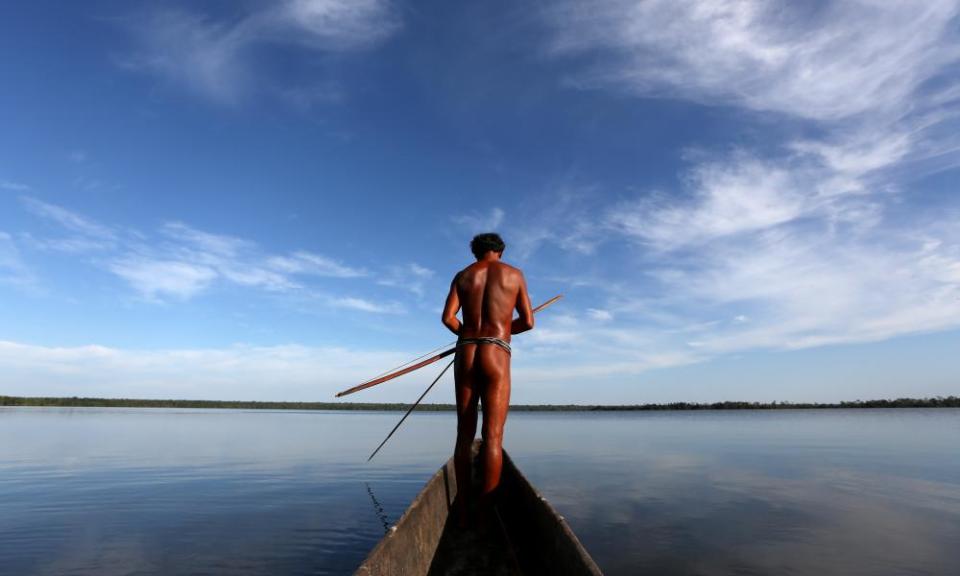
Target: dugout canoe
column 524, row 536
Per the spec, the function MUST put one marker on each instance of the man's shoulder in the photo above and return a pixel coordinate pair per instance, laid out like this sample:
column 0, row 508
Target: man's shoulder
column 508, row 271
column 500, row 266
column 464, row 273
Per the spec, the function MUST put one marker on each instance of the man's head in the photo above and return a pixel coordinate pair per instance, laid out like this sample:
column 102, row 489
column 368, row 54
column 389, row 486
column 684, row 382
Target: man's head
column 489, row 242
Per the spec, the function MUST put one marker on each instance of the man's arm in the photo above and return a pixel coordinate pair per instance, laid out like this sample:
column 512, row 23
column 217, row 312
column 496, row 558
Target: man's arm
column 525, row 321
column 449, row 317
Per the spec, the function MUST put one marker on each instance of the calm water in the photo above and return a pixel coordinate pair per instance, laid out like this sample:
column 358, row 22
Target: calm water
column 146, row 491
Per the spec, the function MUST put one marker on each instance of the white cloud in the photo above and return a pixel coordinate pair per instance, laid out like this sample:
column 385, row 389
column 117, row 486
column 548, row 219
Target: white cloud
column 480, row 222
column 741, row 193
column 75, row 244
column 189, row 261
column 826, row 61
column 336, row 24
column 544, row 335
column 364, row 305
column 303, row 262
column 812, row 268
column 811, row 289
column 876, row 78
column 563, row 370
column 68, row 219
column 214, row 244
column 204, row 257
column 84, row 236
column 215, row 58
column 282, row 372
column 13, row 186
column 13, row 271
column 232, row 259
column 155, row 278
column 813, row 240
column 744, row 195
column 411, row 277
column 562, row 217
column 599, row 315
column 860, row 153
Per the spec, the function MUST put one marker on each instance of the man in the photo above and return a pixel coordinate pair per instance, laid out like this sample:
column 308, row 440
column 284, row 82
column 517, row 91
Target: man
column 488, row 292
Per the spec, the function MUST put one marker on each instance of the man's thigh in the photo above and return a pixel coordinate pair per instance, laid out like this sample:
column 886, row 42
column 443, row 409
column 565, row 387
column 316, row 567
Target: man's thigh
column 495, row 392
column 465, row 386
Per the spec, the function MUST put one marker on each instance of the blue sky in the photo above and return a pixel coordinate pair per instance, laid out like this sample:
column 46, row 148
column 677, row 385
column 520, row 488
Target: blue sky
column 266, row 200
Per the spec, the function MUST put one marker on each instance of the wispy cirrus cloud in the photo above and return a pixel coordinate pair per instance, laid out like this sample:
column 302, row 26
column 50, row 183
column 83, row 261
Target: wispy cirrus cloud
column 181, row 262
column 478, row 222
column 365, row 305
column 804, row 289
column 561, row 217
column 740, row 193
column 13, row 271
column 242, row 262
column 215, row 57
column 599, row 314
column 411, row 277
column 302, row 262
column 808, row 241
column 13, row 186
column 71, row 221
column 878, row 79
column 827, row 61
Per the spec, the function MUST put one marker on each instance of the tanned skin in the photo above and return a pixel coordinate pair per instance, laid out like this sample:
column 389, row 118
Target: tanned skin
column 488, row 291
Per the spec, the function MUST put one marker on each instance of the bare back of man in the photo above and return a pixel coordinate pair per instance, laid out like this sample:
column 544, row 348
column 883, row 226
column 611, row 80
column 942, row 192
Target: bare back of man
column 488, row 291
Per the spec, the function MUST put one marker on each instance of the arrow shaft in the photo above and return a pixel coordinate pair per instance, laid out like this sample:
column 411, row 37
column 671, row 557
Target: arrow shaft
column 398, row 373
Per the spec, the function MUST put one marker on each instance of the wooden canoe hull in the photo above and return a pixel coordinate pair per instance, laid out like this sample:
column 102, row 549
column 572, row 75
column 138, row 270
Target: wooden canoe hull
column 532, row 537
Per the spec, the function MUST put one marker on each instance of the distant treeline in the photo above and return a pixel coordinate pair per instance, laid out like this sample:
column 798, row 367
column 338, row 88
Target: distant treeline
column 938, row 402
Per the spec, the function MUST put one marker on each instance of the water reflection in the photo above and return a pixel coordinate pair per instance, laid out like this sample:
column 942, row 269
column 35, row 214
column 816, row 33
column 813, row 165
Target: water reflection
column 378, row 509
column 190, row 491
column 764, row 493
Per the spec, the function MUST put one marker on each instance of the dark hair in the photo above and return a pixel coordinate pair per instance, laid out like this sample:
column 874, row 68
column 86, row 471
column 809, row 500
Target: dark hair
column 489, row 242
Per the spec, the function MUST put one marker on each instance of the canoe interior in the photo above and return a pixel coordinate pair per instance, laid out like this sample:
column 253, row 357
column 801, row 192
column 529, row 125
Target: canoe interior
column 524, row 536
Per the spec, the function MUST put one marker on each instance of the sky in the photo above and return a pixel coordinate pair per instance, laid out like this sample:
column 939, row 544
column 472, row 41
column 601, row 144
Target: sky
column 740, row 200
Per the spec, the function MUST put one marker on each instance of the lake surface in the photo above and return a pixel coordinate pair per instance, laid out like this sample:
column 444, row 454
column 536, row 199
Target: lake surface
column 155, row 491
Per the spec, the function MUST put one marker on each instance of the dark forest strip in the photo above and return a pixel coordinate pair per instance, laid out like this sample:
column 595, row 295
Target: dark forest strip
column 939, row 402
